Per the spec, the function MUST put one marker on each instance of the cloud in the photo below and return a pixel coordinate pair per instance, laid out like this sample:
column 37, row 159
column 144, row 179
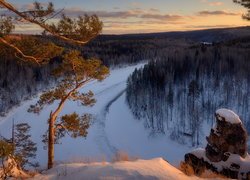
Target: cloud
column 218, row 3
column 104, row 14
column 28, row 6
column 162, row 17
column 135, row 4
column 134, row 13
column 137, row 19
column 154, row 10
column 218, row 13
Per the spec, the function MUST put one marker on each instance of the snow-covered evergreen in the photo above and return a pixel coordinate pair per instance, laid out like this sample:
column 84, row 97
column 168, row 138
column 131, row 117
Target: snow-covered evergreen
column 180, row 91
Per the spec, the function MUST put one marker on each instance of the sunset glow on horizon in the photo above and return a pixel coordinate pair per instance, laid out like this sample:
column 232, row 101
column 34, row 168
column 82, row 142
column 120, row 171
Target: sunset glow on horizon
column 143, row 16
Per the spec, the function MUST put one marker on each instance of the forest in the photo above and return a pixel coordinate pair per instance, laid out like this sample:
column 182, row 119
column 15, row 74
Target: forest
column 114, row 51
column 191, row 84
column 32, row 78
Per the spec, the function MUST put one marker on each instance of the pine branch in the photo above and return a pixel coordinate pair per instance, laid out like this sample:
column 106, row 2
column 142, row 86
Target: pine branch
column 18, row 51
column 43, row 25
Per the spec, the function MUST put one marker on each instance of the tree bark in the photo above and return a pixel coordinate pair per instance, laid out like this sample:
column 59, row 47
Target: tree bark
column 51, row 141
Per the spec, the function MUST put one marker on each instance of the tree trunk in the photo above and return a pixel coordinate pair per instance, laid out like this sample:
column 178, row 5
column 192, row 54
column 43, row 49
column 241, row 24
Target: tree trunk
column 52, row 120
column 51, row 141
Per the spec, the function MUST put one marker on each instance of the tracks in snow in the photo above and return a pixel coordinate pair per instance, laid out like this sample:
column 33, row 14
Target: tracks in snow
column 101, row 138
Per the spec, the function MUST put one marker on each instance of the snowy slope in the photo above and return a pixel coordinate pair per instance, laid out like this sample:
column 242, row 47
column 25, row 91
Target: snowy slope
column 113, row 128
column 129, row 135
column 140, row 169
column 95, row 145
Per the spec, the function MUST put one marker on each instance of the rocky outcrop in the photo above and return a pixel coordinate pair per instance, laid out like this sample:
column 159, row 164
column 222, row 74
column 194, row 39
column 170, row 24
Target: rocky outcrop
column 228, row 136
column 226, row 150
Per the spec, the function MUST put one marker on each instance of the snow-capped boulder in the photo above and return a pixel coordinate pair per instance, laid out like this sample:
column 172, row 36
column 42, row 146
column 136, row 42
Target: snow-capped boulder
column 226, row 150
column 228, row 136
column 228, row 116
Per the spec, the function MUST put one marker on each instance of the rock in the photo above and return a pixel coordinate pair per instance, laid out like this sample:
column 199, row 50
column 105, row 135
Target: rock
column 229, row 135
column 226, row 151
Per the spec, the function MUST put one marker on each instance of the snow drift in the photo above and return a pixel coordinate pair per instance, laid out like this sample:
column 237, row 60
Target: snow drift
column 141, row 169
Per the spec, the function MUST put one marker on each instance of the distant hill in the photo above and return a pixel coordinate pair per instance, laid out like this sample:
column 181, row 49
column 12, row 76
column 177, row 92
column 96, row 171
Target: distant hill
column 208, row 35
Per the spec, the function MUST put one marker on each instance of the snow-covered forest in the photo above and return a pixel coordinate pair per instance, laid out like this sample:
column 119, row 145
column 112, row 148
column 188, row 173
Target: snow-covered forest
column 178, row 92
column 32, row 79
column 19, row 82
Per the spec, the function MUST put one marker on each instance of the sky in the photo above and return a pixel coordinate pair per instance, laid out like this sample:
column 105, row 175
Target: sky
column 144, row 16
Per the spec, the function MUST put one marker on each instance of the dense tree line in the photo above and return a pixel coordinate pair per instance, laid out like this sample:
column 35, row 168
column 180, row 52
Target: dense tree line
column 19, row 81
column 179, row 91
column 124, row 49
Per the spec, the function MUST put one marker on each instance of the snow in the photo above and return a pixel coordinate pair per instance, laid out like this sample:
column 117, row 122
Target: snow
column 128, row 134
column 112, row 129
column 199, row 152
column 228, row 115
column 141, row 169
column 95, row 146
column 244, row 163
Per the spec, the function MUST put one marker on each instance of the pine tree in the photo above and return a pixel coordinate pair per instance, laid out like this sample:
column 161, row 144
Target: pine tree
column 170, row 101
column 25, row 148
column 75, row 72
column 245, row 4
column 194, row 93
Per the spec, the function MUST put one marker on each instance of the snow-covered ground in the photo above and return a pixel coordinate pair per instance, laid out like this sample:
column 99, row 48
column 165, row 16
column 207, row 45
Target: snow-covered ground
column 140, row 169
column 129, row 135
column 113, row 128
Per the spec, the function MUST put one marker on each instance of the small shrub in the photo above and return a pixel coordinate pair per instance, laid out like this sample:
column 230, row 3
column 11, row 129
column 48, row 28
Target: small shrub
column 123, row 156
column 187, row 169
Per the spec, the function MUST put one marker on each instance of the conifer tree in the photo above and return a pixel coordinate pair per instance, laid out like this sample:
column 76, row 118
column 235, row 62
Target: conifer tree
column 194, row 93
column 74, row 70
column 170, row 100
column 245, row 4
column 24, row 147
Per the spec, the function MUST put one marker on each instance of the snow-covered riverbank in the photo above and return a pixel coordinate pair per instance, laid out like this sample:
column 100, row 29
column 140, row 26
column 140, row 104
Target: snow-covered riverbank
column 95, row 146
column 113, row 127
